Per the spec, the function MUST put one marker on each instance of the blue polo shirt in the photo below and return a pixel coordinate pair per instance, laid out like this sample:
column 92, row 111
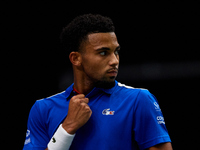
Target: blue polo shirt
column 123, row 117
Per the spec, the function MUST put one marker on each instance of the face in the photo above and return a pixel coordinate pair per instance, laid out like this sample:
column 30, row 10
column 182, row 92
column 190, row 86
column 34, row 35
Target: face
column 100, row 58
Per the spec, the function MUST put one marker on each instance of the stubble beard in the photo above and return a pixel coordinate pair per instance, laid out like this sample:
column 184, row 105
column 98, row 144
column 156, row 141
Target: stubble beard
column 105, row 83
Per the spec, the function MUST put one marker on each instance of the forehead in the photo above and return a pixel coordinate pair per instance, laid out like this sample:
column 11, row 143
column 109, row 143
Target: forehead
column 98, row 40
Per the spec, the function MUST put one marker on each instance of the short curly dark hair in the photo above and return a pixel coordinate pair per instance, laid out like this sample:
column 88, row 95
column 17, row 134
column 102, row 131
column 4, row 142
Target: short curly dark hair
column 77, row 30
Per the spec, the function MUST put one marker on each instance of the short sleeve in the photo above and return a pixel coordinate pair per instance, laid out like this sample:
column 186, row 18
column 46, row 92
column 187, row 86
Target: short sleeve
column 36, row 136
column 149, row 128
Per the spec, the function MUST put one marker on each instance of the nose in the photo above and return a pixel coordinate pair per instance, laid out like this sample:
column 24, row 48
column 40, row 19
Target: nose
column 114, row 60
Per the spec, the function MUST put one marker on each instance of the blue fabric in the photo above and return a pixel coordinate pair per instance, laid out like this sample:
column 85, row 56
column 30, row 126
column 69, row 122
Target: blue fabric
column 122, row 118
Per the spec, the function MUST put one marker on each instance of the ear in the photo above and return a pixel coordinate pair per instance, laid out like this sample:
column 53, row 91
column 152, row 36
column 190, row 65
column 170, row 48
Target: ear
column 75, row 58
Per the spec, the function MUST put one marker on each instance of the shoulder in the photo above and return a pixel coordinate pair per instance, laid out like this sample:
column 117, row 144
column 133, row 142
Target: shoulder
column 140, row 95
column 42, row 107
column 126, row 89
column 51, row 100
column 45, row 108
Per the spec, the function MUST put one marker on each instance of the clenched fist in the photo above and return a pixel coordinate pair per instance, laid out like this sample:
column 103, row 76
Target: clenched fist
column 78, row 113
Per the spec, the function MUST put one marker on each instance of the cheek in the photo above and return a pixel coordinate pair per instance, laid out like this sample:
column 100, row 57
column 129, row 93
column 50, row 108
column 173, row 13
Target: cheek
column 93, row 67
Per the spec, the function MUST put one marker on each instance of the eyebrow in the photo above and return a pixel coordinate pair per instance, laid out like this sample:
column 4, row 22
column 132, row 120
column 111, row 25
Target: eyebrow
column 106, row 48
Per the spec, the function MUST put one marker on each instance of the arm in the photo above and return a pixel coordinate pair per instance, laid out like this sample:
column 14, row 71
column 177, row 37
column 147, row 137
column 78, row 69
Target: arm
column 151, row 131
column 78, row 114
column 36, row 136
column 162, row 146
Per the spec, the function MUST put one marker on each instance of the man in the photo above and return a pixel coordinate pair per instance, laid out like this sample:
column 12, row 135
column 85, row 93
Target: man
column 96, row 111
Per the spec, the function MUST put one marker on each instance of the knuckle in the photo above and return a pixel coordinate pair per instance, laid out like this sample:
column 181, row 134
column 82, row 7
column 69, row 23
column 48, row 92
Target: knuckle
column 80, row 95
column 85, row 107
column 88, row 110
column 75, row 101
column 87, row 100
column 74, row 98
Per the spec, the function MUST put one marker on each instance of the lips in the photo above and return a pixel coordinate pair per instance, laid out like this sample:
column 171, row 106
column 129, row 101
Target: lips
column 112, row 72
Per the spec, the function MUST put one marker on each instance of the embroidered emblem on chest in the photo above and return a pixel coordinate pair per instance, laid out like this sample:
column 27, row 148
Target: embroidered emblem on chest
column 108, row 112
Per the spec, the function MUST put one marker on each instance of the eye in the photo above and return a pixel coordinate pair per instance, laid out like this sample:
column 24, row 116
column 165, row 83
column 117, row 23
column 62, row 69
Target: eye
column 117, row 52
column 103, row 53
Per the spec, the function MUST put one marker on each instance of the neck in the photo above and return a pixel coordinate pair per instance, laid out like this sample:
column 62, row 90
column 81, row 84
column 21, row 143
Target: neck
column 81, row 82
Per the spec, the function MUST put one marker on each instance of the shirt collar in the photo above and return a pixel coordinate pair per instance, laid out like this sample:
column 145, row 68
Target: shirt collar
column 69, row 91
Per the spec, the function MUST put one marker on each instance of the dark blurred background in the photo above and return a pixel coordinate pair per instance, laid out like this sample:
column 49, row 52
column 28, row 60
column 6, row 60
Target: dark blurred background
column 160, row 51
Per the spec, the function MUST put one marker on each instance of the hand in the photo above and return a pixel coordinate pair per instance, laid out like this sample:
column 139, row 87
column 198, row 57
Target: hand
column 78, row 113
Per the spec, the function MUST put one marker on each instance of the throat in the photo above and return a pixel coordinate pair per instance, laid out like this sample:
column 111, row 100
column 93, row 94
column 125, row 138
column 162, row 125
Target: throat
column 82, row 88
column 75, row 90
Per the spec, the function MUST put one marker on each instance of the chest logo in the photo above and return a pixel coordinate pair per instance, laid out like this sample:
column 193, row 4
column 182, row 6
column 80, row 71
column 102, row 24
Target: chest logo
column 108, row 112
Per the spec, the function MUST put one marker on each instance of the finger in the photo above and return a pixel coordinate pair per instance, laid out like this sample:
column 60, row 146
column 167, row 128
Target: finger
column 84, row 100
column 86, row 107
column 78, row 96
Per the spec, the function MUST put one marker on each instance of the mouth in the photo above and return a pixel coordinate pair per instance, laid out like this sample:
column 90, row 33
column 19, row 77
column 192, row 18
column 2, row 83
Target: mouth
column 112, row 72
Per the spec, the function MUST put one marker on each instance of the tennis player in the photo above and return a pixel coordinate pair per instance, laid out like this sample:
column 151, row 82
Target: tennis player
column 96, row 112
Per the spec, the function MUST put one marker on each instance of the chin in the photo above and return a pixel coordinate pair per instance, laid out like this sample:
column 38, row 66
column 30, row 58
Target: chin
column 105, row 83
